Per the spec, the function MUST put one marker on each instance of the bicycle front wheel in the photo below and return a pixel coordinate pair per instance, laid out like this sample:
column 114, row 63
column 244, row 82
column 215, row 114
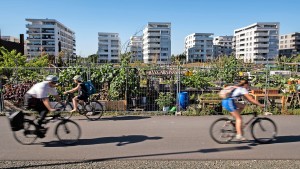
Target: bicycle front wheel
column 263, row 130
column 222, row 130
column 94, row 110
column 68, row 132
column 65, row 109
column 28, row 134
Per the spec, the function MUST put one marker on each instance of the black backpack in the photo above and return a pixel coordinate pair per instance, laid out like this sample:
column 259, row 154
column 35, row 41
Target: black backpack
column 16, row 120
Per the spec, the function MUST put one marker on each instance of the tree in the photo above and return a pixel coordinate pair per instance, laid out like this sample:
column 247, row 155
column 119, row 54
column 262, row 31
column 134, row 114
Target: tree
column 42, row 61
column 177, row 59
column 228, row 68
column 11, row 58
column 93, row 58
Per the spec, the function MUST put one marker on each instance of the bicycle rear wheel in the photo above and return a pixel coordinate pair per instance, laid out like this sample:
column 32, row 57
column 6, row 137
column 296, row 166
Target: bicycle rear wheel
column 94, row 110
column 65, row 110
column 28, row 134
column 222, row 130
column 67, row 131
column 263, row 130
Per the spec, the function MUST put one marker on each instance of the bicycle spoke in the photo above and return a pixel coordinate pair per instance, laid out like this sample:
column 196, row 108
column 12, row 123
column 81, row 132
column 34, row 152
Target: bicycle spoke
column 68, row 132
column 222, row 131
column 263, row 130
column 94, row 110
column 27, row 135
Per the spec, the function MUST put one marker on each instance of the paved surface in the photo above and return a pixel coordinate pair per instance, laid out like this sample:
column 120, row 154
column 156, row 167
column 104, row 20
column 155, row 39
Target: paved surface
column 152, row 137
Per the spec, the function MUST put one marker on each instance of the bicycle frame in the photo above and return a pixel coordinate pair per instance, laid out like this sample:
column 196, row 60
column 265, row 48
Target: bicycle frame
column 252, row 119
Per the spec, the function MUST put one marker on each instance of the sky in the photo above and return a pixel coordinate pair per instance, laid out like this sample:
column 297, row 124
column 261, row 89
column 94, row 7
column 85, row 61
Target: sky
column 128, row 17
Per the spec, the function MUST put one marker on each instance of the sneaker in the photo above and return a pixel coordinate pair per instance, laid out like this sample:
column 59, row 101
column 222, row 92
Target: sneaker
column 240, row 138
column 41, row 131
column 89, row 113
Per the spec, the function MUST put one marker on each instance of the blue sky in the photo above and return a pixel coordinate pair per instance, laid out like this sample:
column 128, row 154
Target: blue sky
column 127, row 17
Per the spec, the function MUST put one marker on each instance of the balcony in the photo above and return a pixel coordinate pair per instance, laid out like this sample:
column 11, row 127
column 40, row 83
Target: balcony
column 154, row 45
column 29, row 38
column 33, row 44
column 261, row 40
column 153, row 34
column 33, row 32
column 261, row 45
column 154, row 51
column 261, row 51
column 261, row 34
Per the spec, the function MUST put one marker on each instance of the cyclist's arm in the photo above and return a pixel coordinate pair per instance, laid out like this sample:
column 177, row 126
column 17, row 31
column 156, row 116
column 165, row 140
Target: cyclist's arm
column 58, row 99
column 250, row 98
column 72, row 90
column 47, row 104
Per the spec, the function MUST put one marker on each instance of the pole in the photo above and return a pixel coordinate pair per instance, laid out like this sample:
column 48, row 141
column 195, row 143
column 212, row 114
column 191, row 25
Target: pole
column 1, row 96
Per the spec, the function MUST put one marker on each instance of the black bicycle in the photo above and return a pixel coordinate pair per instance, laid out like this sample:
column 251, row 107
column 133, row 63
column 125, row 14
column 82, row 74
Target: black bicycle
column 26, row 131
column 90, row 108
column 263, row 129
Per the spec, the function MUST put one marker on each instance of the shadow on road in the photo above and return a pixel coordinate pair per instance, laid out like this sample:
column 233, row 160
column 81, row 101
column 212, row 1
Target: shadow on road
column 140, row 156
column 125, row 118
column 115, row 118
column 213, row 150
column 120, row 141
column 286, row 139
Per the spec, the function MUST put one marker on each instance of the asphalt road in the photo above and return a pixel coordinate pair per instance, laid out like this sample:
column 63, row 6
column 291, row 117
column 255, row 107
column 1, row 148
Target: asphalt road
column 152, row 137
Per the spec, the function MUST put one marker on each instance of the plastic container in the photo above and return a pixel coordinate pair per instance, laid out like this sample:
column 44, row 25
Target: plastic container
column 183, row 100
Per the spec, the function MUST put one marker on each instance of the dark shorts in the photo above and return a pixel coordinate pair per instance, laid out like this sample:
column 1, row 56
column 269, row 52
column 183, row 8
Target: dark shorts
column 82, row 97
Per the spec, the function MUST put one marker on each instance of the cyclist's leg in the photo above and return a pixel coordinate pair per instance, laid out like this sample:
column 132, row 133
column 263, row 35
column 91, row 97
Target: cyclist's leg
column 75, row 103
column 234, row 110
column 239, row 121
column 43, row 111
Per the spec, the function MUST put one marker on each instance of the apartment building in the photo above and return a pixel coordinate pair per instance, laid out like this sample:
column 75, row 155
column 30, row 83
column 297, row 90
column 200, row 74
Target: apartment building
column 51, row 37
column 10, row 39
column 109, row 47
column 222, row 46
column 157, row 43
column 257, row 43
column 289, row 44
column 12, row 43
column 199, row 47
column 136, row 48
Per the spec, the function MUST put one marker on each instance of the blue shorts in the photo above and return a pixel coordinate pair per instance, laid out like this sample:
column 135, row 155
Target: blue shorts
column 229, row 104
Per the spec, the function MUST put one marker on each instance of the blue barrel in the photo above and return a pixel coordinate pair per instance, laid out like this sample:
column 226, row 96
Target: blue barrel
column 183, row 100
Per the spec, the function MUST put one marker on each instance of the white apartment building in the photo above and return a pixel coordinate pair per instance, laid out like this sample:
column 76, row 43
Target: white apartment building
column 136, row 48
column 51, row 37
column 257, row 43
column 289, row 44
column 109, row 47
column 157, row 43
column 222, row 46
column 199, row 47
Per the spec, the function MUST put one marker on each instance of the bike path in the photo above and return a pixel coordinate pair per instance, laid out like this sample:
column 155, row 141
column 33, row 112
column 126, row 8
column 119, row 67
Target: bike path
column 151, row 137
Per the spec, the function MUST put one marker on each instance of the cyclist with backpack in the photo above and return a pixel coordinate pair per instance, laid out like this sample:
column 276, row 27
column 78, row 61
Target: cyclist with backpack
column 229, row 94
column 82, row 92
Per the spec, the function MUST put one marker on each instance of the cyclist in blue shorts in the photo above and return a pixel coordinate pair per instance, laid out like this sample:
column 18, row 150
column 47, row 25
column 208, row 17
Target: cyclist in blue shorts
column 236, row 108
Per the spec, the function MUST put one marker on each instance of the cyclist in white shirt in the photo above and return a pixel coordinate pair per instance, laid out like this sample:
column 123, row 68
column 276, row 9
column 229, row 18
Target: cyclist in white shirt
column 236, row 108
column 37, row 97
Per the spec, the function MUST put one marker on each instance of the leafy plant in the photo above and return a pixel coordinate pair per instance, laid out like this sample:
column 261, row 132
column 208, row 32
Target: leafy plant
column 165, row 99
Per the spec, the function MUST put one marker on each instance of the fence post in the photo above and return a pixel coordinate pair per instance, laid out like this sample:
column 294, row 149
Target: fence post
column 1, row 98
column 178, row 88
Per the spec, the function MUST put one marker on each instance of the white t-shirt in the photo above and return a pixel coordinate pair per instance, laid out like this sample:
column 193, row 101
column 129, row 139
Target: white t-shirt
column 238, row 92
column 42, row 90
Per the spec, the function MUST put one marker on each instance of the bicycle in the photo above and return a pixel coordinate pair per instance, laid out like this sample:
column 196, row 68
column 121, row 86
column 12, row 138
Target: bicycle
column 26, row 131
column 263, row 129
column 90, row 108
